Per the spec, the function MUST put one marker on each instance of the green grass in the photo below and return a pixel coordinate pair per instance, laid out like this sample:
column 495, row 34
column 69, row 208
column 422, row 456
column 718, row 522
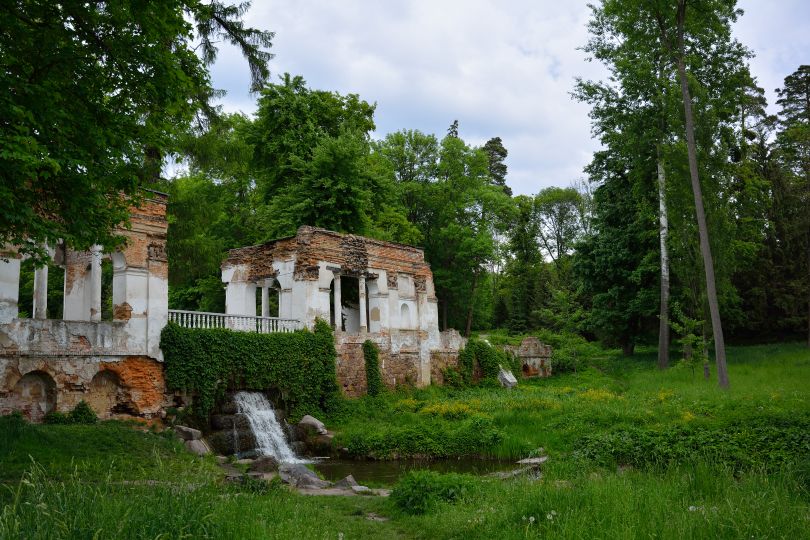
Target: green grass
column 114, row 481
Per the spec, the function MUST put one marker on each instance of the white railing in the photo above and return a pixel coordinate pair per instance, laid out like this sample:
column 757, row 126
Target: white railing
column 244, row 323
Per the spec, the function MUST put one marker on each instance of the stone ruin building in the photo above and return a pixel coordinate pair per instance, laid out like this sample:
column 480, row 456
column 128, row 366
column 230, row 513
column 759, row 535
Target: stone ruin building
column 365, row 288
column 114, row 365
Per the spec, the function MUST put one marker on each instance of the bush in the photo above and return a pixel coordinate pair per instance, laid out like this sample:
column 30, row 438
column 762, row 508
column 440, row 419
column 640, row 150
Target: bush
column 371, row 355
column 752, row 443
column 418, row 492
column 208, row 362
column 83, row 414
column 479, row 361
column 56, row 417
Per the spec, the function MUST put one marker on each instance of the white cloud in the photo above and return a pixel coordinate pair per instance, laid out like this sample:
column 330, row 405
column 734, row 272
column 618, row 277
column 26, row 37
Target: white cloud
column 501, row 68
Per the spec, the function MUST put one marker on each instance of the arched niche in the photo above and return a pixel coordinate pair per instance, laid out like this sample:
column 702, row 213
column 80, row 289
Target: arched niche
column 405, row 316
column 106, row 394
column 35, row 395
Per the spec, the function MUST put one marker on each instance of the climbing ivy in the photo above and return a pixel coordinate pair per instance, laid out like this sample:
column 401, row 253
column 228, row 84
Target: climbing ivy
column 208, row 362
column 478, row 361
column 371, row 354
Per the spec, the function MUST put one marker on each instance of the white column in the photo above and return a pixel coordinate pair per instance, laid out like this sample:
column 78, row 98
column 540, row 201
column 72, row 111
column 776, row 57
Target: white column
column 362, row 294
column 9, row 288
column 338, row 307
column 265, row 300
column 41, row 292
column 95, row 283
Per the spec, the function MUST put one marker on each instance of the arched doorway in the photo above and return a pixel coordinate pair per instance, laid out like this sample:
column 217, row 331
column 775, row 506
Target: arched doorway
column 35, row 394
column 106, row 395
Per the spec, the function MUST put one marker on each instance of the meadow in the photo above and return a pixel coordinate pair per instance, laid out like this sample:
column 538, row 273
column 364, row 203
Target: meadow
column 633, row 453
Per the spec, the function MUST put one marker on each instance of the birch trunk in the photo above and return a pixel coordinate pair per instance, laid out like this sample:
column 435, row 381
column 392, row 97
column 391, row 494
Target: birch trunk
column 663, row 233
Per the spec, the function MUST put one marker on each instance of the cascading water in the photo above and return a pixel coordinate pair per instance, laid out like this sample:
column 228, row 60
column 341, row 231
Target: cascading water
column 270, row 440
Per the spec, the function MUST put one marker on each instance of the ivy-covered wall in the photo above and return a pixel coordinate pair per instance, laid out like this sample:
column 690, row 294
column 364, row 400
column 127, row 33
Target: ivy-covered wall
column 208, row 362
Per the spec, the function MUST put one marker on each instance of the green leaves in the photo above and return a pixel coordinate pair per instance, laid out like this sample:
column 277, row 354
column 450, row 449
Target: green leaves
column 206, row 363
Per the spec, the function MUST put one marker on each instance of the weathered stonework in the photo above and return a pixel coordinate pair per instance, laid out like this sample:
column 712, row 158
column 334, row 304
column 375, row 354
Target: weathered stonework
column 50, row 365
column 395, row 303
column 535, row 357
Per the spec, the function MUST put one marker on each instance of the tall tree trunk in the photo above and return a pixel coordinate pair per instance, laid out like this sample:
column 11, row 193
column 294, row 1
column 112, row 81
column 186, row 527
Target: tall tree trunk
column 468, row 325
column 705, row 248
column 663, row 325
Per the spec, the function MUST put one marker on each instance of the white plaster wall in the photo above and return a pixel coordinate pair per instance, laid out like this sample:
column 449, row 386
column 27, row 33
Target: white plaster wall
column 158, row 313
column 284, row 277
column 352, row 316
column 9, row 289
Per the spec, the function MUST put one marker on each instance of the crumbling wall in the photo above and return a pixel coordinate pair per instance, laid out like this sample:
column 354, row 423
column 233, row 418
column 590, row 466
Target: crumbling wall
column 535, row 357
column 397, row 367
column 130, row 385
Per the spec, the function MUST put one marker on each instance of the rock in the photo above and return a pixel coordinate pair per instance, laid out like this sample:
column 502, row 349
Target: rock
column 227, row 442
column 187, row 433
column 298, row 447
column 312, row 425
column 244, row 461
column 222, row 460
column 300, row 476
column 536, row 461
column 321, row 444
column 347, row 483
column 227, row 421
column 197, row 446
column 506, row 378
column 361, row 490
column 264, row 464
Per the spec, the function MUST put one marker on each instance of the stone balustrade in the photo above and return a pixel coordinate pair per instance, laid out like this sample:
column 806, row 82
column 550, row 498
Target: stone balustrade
column 244, row 323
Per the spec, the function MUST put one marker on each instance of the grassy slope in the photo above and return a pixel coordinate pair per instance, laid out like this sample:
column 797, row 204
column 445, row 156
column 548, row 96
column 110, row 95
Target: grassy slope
column 768, row 382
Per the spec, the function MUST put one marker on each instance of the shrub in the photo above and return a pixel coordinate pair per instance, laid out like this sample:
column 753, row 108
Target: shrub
column 82, row 413
column 371, row 354
column 418, row 492
column 752, row 443
column 207, row 362
column 56, row 417
column 479, row 361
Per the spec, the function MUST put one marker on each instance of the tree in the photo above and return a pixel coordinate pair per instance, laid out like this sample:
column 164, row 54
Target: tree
column 497, row 168
column 794, row 144
column 559, row 221
column 95, row 94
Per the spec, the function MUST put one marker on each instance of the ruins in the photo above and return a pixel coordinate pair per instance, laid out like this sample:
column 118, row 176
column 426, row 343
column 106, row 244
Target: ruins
column 365, row 288
column 115, row 365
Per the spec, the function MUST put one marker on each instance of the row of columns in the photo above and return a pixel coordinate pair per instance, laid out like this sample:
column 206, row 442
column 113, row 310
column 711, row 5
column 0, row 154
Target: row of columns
column 81, row 302
column 337, row 307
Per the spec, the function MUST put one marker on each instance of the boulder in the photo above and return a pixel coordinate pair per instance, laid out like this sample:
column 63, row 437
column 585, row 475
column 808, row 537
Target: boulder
column 187, row 433
column 300, row 476
column 346, row 483
column 197, row 446
column 321, row 445
column 534, row 461
column 299, row 447
column 506, row 378
column 312, row 425
column 227, row 421
column 228, row 442
column 361, row 490
column 264, row 464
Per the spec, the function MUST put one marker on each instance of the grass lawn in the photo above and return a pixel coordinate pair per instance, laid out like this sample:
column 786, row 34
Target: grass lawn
column 634, row 453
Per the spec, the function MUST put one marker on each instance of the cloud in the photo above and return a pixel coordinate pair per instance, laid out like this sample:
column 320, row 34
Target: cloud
column 500, row 68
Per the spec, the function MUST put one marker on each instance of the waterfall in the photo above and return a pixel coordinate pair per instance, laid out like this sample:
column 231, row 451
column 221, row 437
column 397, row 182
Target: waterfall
column 270, row 440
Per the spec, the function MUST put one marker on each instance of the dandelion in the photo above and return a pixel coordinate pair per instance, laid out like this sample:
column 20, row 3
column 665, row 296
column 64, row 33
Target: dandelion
column 531, row 519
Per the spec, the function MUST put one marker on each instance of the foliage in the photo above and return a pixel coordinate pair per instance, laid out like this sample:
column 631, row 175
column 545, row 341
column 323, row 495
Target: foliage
column 751, row 443
column 418, row 492
column 99, row 92
column 479, row 361
column 82, row 413
column 371, row 355
column 207, row 362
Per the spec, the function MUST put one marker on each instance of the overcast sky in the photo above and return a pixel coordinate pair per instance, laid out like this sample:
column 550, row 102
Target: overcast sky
column 501, row 68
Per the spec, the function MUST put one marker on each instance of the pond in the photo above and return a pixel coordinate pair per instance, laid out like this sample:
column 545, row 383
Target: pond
column 389, row 472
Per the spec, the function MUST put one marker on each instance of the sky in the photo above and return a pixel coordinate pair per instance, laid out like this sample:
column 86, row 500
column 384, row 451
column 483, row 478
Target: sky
column 502, row 69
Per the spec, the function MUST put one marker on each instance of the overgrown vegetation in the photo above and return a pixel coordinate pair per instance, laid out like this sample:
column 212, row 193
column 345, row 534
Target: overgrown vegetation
column 82, row 413
column 695, row 462
column 208, row 362
column 371, row 355
column 478, row 362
